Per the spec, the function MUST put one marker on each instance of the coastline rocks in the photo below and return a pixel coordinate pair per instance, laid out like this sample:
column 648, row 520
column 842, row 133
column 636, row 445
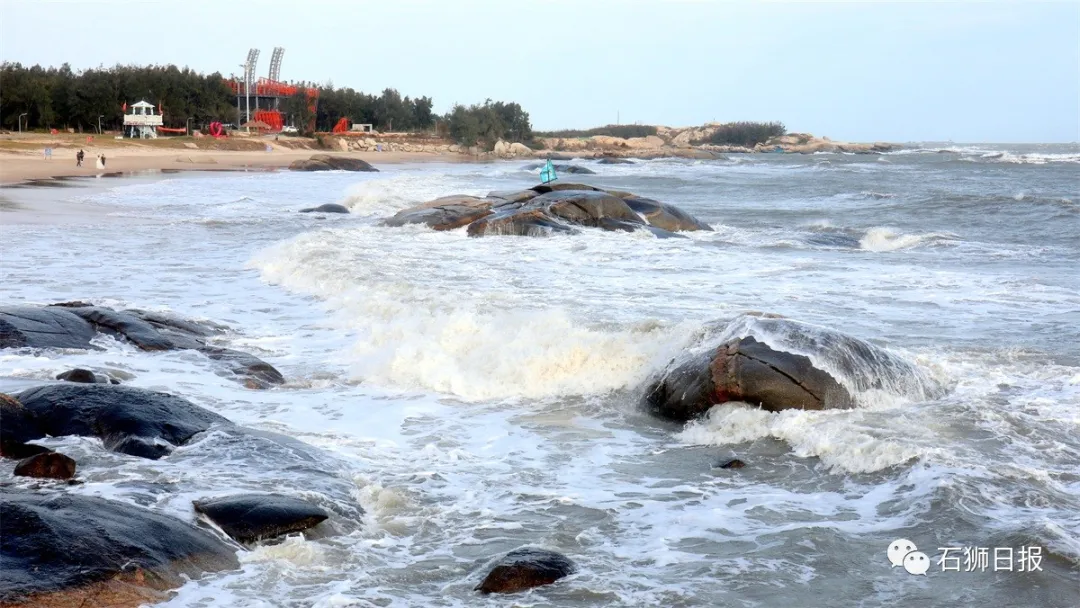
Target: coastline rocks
column 49, row 465
column 571, row 169
column 249, row 518
column 74, row 324
column 327, row 208
column 22, row 326
column 766, row 362
column 72, row 550
column 17, row 427
column 734, row 463
column 547, row 209
column 615, row 160
column 526, row 568
column 326, row 162
column 128, row 420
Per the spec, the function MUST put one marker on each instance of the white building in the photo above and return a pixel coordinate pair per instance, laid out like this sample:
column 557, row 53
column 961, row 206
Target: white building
column 141, row 122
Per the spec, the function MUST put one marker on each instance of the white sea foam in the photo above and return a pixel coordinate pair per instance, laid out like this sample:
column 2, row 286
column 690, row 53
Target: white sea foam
column 883, row 239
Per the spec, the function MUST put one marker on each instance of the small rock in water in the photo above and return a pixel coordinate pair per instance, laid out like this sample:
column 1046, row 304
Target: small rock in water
column 734, row 463
column 82, row 375
column 253, row 517
column 327, row 208
column 523, row 569
column 50, row 465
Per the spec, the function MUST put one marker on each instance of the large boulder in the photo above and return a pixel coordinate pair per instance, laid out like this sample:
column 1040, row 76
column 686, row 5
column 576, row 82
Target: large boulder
column 84, row 376
column 253, row 517
column 327, row 162
column 516, row 221
column 129, row 420
column 446, row 213
column 526, row 568
column 615, row 160
column 520, row 149
column 18, row 426
column 779, row 364
column 74, row 324
column 665, row 216
column 71, row 550
column 29, row 326
column 586, row 208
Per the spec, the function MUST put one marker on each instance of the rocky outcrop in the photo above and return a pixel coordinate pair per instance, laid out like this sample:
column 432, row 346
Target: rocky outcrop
column 326, row 208
column 75, row 324
column 562, row 168
column 71, row 550
column 250, row 518
column 328, row 162
column 48, row 465
column 18, row 427
column 547, row 209
column 804, row 143
column 615, row 160
column 129, row 420
column 779, row 374
column 526, row 568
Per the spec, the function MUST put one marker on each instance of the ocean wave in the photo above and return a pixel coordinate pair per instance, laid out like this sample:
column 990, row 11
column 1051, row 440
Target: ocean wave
column 886, row 239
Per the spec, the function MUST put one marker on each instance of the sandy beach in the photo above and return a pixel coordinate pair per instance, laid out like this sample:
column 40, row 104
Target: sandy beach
column 18, row 165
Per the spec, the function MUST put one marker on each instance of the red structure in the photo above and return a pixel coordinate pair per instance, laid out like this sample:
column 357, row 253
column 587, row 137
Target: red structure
column 268, row 98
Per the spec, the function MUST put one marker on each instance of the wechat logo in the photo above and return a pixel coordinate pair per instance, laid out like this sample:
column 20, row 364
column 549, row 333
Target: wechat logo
column 903, row 552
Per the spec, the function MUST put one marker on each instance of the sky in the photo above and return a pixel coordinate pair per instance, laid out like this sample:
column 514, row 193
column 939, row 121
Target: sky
column 857, row 71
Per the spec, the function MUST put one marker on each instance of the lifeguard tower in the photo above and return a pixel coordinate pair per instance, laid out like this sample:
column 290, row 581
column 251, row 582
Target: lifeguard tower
column 141, row 123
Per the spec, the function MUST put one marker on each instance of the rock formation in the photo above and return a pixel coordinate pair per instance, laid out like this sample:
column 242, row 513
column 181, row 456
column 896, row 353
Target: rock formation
column 327, row 162
column 252, row 517
column 526, row 568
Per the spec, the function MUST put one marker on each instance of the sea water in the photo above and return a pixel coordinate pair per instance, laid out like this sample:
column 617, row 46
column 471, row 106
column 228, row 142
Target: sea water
column 475, row 395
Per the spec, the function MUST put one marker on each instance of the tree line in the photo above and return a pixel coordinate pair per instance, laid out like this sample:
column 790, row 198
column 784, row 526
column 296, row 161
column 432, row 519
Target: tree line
column 45, row 98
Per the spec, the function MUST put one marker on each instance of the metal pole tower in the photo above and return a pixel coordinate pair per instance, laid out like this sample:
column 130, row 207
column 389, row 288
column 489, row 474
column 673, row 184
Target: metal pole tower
column 249, row 78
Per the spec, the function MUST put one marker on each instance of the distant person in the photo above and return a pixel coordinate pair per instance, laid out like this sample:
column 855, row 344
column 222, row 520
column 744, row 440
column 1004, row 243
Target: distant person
column 79, row 156
column 48, row 153
column 100, row 161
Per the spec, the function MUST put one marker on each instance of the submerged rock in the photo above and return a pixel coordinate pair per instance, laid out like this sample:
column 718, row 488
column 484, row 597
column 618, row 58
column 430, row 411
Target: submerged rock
column 327, row 208
column 526, row 568
column 562, row 168
column 745, row 369
column 615, row 160
column 129, row 420
column 326, row 162
column 74, row 324
column 71, row 550
column 734, row 463
column 253, row 517
column 49, row 465
column 85, row 376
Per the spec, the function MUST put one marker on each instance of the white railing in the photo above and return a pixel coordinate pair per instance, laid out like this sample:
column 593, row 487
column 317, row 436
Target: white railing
column 144, row 120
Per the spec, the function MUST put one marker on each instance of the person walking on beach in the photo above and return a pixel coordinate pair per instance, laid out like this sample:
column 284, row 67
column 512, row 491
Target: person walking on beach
column 100, row 161
column 79, row 156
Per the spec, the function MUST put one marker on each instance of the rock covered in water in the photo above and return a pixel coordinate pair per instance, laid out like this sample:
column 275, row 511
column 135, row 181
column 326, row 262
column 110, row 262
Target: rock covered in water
column 327, row 162
column 733, row 463
column 615, row 160
column 526, row 568
column 72, row 550
column 326, row 208
column 74, row 324
column 743, row 368
column 18, row 426
column 549, row 209
column 128, row 420
column 48, row 465
column 562, row 168
column 85, row 376
column 253, row 517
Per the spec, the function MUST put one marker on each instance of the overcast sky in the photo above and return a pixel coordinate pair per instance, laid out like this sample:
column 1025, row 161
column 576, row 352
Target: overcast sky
column 862, row 71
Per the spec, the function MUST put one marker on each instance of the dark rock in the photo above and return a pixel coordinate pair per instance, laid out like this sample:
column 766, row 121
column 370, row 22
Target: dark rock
column 578, row 169
column 327, row 208
column 614, row 160
column 28, row 326
column 255, row 373
column 50, row 465
column 253, row 517
column 84, row 376
column 164, row 320
column 748, row 370
column 734, row 463
column 518, row 222
column 141, row 333
column 556, row 186
column 446, row 213
column 71, row 550
column 664, row 216
column 523, row 569
column 586, row 208
column 18, row 426
column 129, row 420
column 326, row 162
